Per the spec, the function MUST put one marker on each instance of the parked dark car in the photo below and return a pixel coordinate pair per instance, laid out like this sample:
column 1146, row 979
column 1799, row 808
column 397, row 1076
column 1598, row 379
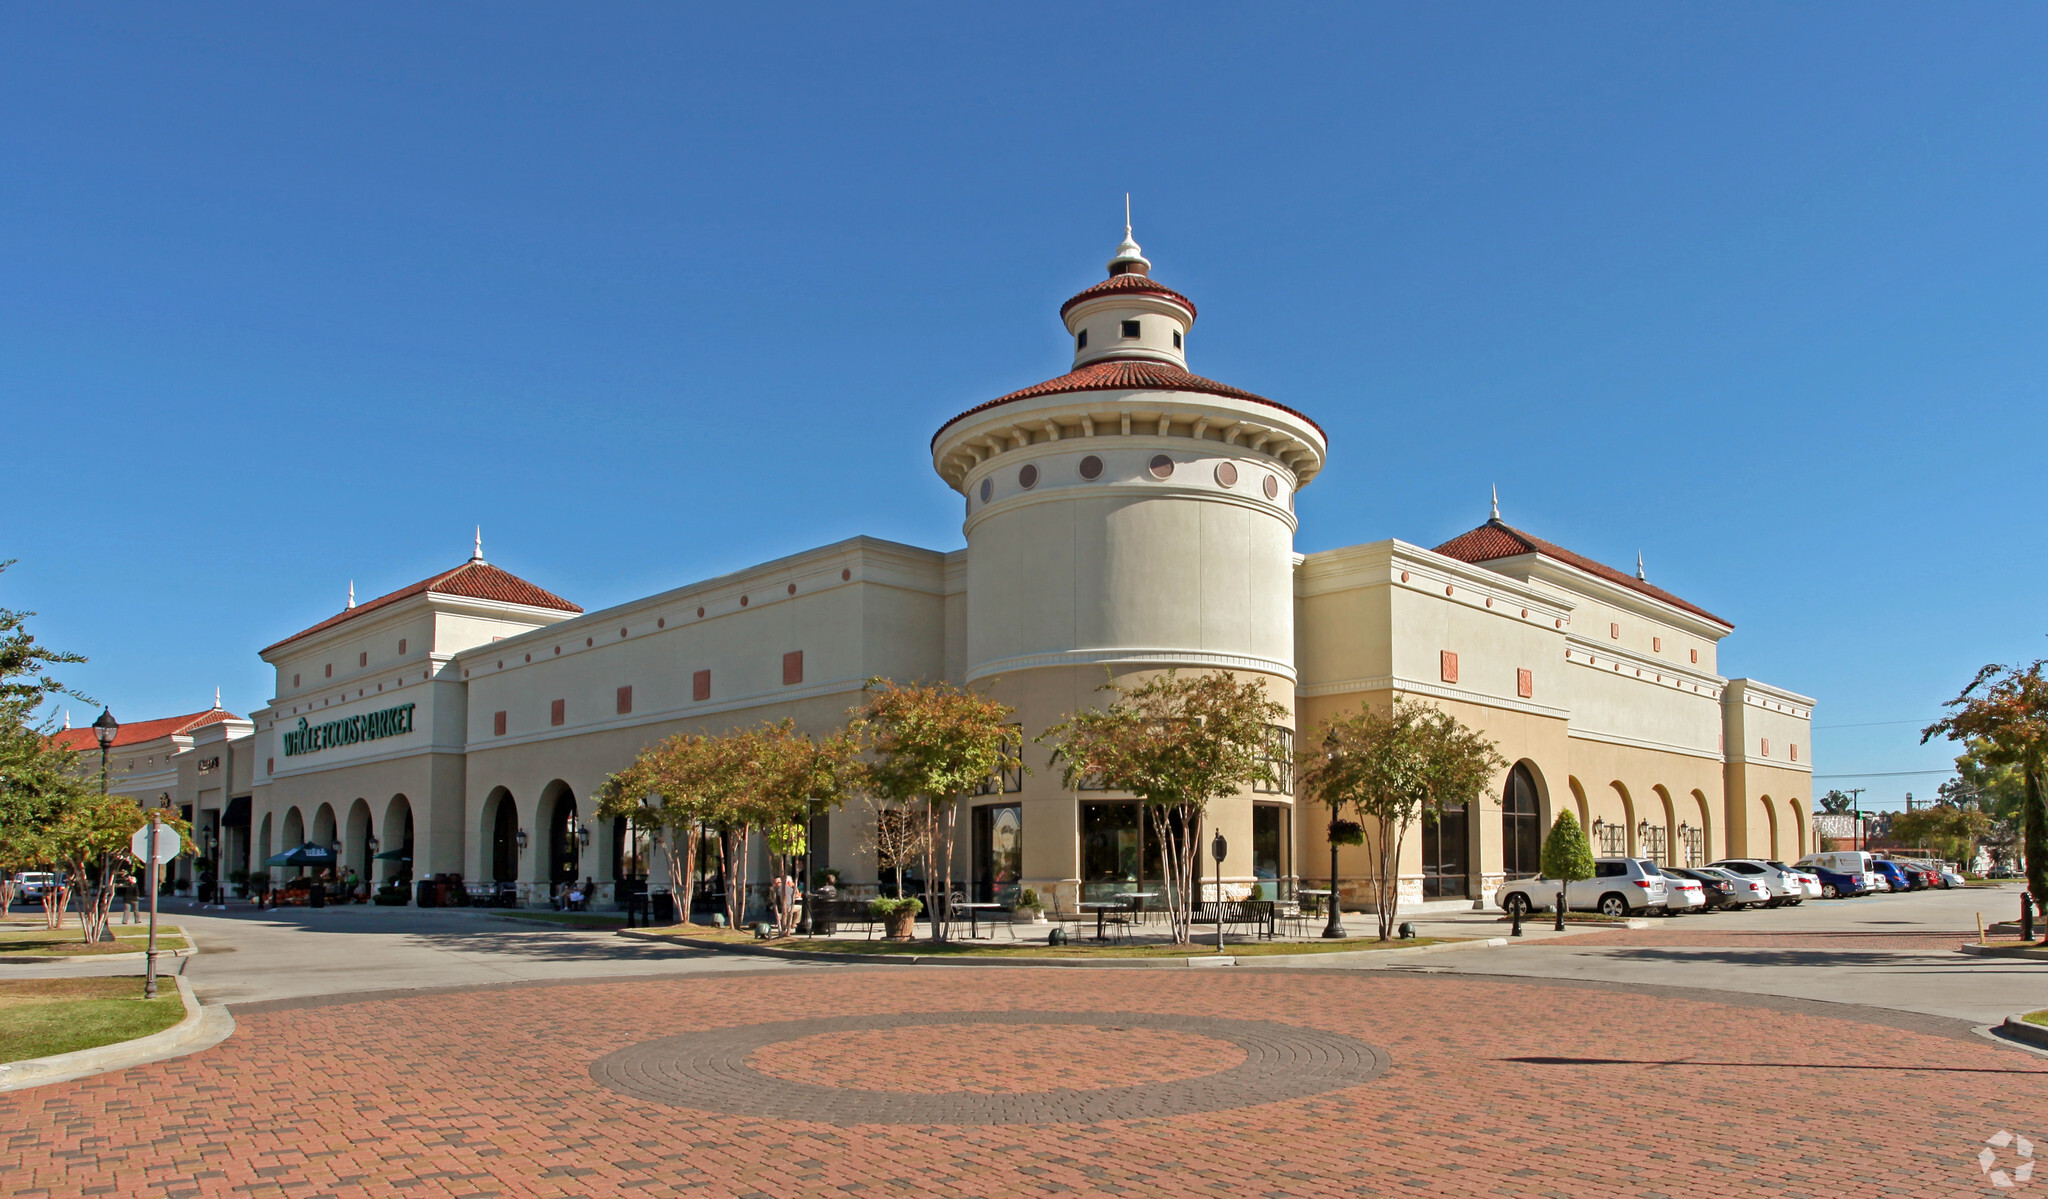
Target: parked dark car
column 1718, row 886
column 1898, row 876
column 1836, row 885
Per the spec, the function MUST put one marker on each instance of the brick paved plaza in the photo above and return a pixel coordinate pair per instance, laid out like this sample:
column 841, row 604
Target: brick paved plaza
column 1489, row 1086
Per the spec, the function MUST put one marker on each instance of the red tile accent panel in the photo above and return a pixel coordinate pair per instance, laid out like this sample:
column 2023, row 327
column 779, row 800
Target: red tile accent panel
column 792, row 667
column 558, row 711
column 497, row 724
column 1449, row 663
column 1525, row 683
column 700, row 685
column 625, row 701
column 1767, row 747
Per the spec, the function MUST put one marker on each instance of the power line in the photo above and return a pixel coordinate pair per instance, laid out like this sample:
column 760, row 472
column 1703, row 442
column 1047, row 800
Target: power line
column 1871, row 724
column 1884, row 774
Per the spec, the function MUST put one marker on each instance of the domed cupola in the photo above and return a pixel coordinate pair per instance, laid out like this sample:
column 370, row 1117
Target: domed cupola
column 1129, row 314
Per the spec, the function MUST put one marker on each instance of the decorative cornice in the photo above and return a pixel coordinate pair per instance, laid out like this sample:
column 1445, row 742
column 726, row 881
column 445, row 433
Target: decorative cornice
column 1135, row 657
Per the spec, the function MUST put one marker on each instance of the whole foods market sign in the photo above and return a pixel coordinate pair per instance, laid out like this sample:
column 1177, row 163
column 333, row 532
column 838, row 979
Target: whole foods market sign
column 312, row 738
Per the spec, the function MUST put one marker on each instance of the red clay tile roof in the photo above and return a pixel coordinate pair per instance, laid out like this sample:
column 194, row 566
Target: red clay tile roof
column 476, row 580
column 1494, row 540
column 1130, row 283
column 1126, row 374
column 83, row 739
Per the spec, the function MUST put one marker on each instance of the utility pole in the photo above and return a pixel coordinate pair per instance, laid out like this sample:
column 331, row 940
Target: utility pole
column 1855, row 795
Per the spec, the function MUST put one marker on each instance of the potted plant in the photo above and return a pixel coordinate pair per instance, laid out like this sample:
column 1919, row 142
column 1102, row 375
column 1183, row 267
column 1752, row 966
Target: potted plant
column 899, row 916
column 1028, row 910
column 239, row 880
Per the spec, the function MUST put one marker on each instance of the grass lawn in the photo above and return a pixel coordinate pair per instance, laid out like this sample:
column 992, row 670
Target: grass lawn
column 1038, row 949
column 42, row 1016
column 36, row 941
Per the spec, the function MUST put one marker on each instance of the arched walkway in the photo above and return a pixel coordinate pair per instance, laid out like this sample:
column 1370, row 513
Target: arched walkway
column 294, row 833
column 1701, row 834
column 1796, row 826
column 263, row 850
column 395, row 837
column 1613, row 831
column 1521, row 824
column 355, row 845
column 501, row 832
column 323, row 826
column 1661, row 846
column 1771, row 813
column 564, row 862
column 1579, row 802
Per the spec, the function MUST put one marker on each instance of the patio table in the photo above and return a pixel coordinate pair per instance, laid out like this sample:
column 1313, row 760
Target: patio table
column 973, row 910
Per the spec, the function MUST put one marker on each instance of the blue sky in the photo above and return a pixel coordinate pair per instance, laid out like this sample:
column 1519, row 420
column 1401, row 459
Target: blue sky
column 293, row 295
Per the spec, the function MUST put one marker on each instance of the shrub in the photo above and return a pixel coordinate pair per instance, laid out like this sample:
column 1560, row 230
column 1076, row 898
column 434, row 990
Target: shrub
column 1028, row 898
column 884, row 908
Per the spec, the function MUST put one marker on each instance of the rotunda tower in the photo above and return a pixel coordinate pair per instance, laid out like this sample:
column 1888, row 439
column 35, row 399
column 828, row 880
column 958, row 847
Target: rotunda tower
column 1122, row 519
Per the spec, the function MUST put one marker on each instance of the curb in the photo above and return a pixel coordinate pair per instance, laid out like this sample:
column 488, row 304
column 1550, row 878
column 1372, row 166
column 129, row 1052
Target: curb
column 202, row 1028
column 2017, row 1029
column 1165, row 963
column 2033, row 952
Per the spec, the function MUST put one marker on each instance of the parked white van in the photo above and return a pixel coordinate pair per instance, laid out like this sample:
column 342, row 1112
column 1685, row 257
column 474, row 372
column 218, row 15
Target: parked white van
column 1842, row 861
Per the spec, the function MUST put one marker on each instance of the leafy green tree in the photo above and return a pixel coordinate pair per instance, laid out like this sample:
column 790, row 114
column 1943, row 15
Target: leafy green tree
column 927, row 744
column 1567, row 857
column 1177, row 744
column 37, row 774
column 2006, row 708
column 667, row 790
column 1952, row 832
column 1394, row 768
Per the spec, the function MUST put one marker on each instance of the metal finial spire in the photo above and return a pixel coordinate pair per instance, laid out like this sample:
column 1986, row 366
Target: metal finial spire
column 216, row 699
column 478, row 554
column 351, row 593
column 1496, row 502
column 1639, row 567
column 67, row 718
column 1129, row 260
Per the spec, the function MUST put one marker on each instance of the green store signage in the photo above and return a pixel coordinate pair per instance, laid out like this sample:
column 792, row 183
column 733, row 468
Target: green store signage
column 307, row 739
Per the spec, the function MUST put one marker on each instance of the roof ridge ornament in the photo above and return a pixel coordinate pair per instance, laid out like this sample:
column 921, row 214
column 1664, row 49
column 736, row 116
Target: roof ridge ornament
column 1129, row 260
column 216, row 698
column 1640, row 576
column 351, row 595
column 1496, row 502
column 478, row 554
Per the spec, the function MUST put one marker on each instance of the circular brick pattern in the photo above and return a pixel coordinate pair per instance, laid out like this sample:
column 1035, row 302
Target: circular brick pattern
column 1034, row 1057
column 715, row 1071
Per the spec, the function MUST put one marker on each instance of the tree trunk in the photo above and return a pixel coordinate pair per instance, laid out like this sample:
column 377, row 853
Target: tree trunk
column 1176, row 861
column 1387, row 887
column 2034, row 831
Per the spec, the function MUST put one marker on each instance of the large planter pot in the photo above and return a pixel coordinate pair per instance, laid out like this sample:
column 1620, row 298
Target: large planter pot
column 901, row 925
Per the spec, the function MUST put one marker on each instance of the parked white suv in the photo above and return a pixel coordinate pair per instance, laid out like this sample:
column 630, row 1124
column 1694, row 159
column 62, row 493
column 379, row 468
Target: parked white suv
column 1619, row 887
column 1783, row 883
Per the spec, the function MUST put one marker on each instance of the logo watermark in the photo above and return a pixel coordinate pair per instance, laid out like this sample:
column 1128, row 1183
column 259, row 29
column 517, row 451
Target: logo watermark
column 1990, row 1159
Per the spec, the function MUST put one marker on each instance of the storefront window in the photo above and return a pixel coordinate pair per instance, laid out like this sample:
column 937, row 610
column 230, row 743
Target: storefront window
column 1521, row 826
column 1269, row 851
column 1444, row 854
column 998, row 852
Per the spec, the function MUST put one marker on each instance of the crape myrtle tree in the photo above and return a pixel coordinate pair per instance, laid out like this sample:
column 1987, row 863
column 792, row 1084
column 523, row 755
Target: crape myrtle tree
column 1951, row 830
column 1177, row 744
column 37, row 775
column 782, row 779
column 1567, row 857
column 926, row 745
column 2005, row 711
column 1396, row 767
column 667, row 791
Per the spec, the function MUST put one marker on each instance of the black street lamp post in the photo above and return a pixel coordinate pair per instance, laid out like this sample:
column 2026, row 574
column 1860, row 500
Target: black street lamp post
column 1334, row 927
column 104, row 728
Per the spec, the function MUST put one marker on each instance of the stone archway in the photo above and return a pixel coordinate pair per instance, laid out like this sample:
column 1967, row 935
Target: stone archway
column 355, row 841
column 1585, row 812
column 395, row 837
column 500, row 831
column 1706, row 827
column 1771, row 814
column 1796, row 826
column 563, row 860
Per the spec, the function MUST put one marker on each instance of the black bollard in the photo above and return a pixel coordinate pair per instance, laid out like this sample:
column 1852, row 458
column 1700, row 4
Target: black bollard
column 1516, row 913
column 2026, row 915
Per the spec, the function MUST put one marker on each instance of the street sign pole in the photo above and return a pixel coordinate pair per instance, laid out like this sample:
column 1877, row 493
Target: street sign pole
column 156, row 820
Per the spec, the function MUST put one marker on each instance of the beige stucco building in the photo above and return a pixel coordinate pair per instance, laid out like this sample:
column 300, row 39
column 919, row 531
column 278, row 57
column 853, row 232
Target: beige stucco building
column 1124, row 518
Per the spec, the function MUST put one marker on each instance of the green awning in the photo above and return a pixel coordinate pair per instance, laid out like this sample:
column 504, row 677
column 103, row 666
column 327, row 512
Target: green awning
column 395, row 855
column 308, row 854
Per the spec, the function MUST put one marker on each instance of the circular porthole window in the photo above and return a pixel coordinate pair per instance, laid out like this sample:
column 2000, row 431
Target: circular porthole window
column 1272, row 488
column 1091, row 467
column 988, row 488
column 1028, row 477
column 1161, row 466
column 1226, row 473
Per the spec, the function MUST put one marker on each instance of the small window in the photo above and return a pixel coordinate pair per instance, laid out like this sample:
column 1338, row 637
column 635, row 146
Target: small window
column 558, row 711
column 1081, row 340
column 401, row 645
column 1130, row 329
column 700, row 686
column 792, row 668
column 330, row 670
column 497, row 724
column 625, row 701
column 295, row 680
column 363, row 659
column 1176, row 339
